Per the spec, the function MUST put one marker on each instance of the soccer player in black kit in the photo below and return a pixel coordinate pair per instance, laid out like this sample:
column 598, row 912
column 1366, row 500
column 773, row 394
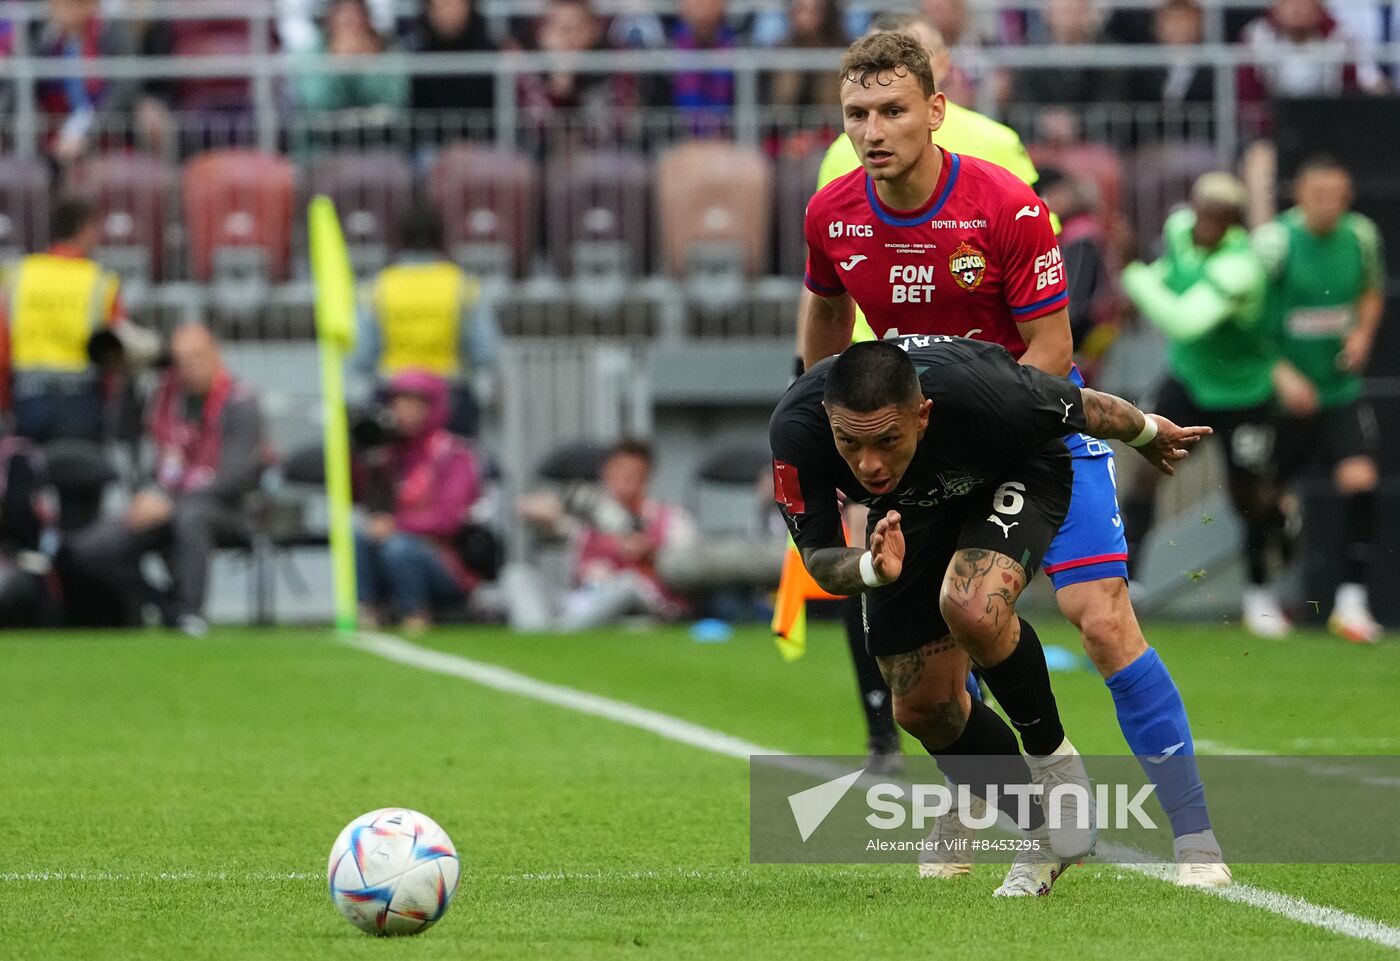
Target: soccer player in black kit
column 957, row 451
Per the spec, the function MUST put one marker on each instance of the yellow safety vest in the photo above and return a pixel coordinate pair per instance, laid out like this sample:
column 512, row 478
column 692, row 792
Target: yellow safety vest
column 56, row 304
column 419, row 309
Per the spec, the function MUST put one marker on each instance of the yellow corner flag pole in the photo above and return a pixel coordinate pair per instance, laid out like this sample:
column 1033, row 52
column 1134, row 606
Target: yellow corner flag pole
column 335, row 335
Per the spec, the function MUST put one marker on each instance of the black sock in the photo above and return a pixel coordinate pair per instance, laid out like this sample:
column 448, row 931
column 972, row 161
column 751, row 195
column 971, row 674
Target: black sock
column 1021, row 685
column 986, row 755
column 1360, row 512
column 1264, row 535
column 875, row 698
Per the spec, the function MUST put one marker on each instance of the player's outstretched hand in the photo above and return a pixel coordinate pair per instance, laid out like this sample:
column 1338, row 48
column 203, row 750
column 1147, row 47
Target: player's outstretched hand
column 887, row 548
column 1171, row 444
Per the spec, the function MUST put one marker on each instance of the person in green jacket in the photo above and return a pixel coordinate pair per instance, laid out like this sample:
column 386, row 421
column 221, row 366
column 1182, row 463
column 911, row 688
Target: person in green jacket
column 349, row 31
column 1206, row 294
column 1325, row 299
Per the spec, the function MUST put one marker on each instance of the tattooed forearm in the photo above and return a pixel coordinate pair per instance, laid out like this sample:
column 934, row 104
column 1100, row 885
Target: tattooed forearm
column 835, row 569
column 1111, row 418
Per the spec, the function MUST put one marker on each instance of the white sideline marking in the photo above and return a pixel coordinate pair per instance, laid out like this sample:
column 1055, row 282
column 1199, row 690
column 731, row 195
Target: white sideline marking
column 674, row 729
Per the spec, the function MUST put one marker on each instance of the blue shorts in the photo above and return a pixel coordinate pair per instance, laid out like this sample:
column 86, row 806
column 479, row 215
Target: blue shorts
column 1091, row 545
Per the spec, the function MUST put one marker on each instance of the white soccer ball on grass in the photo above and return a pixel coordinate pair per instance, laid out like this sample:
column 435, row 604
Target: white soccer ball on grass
column 393, row 871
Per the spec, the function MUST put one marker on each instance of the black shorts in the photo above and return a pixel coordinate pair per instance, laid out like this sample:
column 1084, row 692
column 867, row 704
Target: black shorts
column 1018, row 515
column 1327, row 438
column 1248, row 433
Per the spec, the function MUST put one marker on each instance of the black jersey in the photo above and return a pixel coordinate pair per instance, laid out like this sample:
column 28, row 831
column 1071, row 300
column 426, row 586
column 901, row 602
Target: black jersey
column 988, row 414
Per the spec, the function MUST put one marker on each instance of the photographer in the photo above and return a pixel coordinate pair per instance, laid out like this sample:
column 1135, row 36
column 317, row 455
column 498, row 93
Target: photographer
column 620, row 535
column 418, row 484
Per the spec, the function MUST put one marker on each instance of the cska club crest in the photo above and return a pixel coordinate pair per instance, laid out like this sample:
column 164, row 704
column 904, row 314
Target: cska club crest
column 967, row 266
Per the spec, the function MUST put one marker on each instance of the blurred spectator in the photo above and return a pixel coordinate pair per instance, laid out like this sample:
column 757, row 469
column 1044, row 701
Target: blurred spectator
column 452, row 26
column 620, row 536
column 419, row 489
column 1275, row 38
column 53, row 306
column 1326, row 297
column 425, row 313
column 966, row 73
column 635, row 26
column 589, row 101
column 1070, row 23
column 702, row 25
column 296, row 22
column 1206, row 294
column 1089, row 265
column 210, row 453
column 349, row 32
column 79, row 107
column 1289, row 27
column 811, row 24
column 1180, row 24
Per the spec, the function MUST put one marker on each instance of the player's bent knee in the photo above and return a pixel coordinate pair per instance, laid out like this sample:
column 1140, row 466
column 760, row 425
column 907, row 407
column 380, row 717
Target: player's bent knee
column 969, row 614
column 935, row 721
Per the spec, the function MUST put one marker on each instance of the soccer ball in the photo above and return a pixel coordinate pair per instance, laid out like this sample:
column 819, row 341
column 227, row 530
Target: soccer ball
column 393, row 871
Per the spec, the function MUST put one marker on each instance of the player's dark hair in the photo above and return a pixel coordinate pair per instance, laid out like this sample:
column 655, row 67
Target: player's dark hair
column 632, row 447
column 896, row 53
column 1321, row 163
column 422, row 229
column 69, row 217
column 871, row 375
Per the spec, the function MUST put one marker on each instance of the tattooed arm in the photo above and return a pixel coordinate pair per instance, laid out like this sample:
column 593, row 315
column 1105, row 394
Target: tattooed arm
column 1112, row 418
column 837, row 569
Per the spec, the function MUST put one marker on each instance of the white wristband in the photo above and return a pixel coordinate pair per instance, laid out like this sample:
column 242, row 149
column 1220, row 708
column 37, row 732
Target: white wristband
column 1149, row 431
column 867, row 571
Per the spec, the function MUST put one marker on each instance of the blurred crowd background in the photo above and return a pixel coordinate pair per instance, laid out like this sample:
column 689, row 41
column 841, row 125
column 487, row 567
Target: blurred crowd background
column 578, row 229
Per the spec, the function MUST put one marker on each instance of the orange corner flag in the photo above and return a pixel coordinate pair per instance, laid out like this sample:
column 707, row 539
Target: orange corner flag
column 795, row 588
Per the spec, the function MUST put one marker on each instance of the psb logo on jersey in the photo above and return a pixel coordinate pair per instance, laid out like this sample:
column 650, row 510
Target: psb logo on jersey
column 967, row 266
column 838, row 228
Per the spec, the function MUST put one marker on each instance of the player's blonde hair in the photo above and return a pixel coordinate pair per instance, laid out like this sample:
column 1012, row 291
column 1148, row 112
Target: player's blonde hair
column 879, row 53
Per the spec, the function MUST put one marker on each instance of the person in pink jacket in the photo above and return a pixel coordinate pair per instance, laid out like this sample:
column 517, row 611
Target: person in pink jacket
column 419, row 490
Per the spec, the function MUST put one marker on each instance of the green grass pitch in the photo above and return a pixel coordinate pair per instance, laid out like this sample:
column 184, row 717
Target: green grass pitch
column 172, row 799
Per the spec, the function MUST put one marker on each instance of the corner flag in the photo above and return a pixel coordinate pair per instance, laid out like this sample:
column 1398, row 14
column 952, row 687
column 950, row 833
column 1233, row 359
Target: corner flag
column 335, row 335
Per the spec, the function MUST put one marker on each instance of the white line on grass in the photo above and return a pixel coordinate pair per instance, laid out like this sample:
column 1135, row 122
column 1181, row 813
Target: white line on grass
column 103, row 876
column 684, row 732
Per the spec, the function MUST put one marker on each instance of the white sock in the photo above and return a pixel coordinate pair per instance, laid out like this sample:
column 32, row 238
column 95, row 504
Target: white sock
column 1352, row 598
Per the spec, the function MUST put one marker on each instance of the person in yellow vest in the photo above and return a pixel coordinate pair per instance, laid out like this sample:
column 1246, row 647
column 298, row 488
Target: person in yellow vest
column 53, row 305
column 423, row 312
column 963, row 131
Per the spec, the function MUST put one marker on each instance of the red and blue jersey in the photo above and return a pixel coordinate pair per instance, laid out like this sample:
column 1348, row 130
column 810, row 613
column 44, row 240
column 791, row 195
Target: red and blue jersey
column 975, row 261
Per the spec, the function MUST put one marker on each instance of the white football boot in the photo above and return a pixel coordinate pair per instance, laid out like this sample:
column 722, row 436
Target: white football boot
column 1033, row 873
column 1262, row 615
column 1068, row 840
column 1199, row 863
column 948, row 852
column 1351, row 616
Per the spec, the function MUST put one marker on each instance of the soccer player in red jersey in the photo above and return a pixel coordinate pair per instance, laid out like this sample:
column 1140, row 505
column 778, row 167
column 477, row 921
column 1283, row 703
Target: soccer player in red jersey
column 930, row 242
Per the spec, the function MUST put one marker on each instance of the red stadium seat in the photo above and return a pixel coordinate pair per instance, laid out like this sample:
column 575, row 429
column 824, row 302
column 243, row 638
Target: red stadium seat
column 373, row 192
column 135, row 198
column 487, row 198
column 713, row 200
column 24, row 206
column 596, row 208
column 238, row 208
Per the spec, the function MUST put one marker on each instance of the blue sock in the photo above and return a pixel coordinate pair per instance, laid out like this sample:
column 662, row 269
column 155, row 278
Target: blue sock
column 1154, row 724
column 974, row 687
